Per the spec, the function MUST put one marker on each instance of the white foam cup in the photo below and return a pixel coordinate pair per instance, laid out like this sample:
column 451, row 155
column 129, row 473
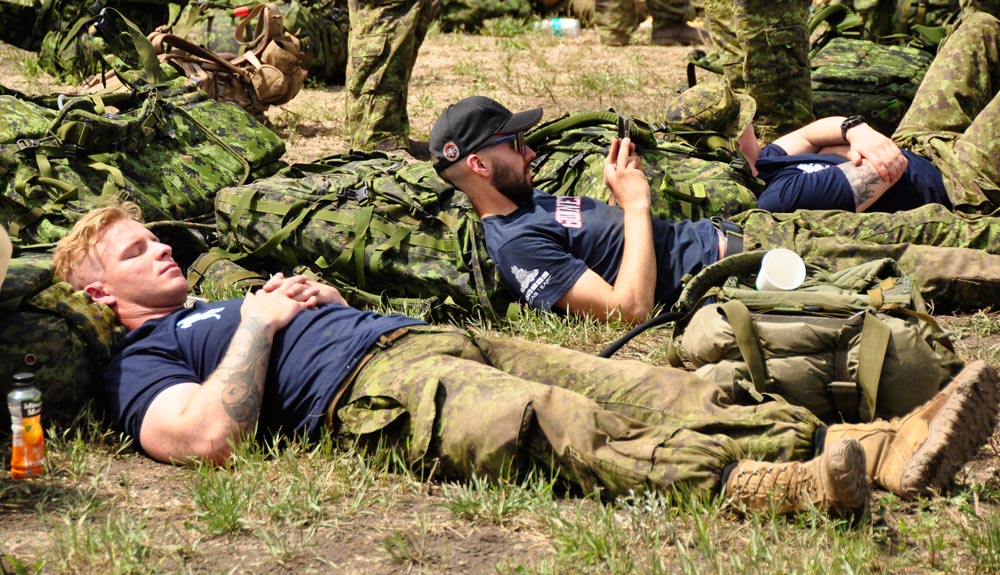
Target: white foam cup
column 781, row 269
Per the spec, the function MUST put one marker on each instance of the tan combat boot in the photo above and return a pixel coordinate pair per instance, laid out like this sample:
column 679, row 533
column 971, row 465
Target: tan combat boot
column 835, row 482
column 921, row 452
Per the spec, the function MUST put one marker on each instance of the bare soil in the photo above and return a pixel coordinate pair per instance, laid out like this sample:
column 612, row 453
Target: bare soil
column 559, row 74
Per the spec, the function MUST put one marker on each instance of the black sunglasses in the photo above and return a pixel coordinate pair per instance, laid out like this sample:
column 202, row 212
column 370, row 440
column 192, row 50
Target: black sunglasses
column 517, row 138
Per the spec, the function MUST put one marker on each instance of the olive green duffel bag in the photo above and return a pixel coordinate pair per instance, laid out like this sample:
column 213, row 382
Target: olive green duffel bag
column 850, row 346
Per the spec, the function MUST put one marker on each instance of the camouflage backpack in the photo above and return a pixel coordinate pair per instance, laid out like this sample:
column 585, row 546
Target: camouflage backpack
column 57, row 333
column 58, row 30
column 872, row 79
column 380, row 229
column 895, row 19
column 853, row 345
column 166, row 147
column 692, row 174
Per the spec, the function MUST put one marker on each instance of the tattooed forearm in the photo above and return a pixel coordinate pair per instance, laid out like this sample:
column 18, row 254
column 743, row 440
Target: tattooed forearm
column 863, row 180
column 243, row 371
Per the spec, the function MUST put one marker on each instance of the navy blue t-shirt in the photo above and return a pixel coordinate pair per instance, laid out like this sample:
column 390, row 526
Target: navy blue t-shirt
column 309, row 360
column 542, row 248
column 806, row 181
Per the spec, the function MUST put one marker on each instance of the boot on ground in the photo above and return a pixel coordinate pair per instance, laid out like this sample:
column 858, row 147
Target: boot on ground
column 834, row 482
column 920, row 453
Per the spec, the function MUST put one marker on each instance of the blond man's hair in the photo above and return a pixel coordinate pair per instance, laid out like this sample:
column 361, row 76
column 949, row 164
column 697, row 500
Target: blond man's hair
column 73, row 250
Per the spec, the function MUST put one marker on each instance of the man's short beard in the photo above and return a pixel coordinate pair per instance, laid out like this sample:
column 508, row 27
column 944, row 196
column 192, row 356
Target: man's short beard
column 514, row 186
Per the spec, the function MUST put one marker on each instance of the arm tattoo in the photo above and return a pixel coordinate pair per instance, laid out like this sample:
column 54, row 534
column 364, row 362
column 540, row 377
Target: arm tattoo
column 861, row 179
column 243, row 379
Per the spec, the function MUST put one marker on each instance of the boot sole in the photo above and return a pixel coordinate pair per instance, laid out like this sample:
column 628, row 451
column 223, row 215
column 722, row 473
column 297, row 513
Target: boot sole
column 846, row 471
column 960, row 428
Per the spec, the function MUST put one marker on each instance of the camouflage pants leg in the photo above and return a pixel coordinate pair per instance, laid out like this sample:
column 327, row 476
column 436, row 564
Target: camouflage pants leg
column 954, row 258
column 670, row 12
column 615, row 21
column 764, row 51
column 955, row 116
column 502, row 406
column 385, row 38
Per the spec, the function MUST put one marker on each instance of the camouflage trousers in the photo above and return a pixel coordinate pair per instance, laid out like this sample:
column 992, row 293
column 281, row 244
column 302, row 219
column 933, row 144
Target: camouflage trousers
column 617, row 19
column 955, row 115
column 954, row 258
column 501, row 407
column 385, row 38
column 764, row 51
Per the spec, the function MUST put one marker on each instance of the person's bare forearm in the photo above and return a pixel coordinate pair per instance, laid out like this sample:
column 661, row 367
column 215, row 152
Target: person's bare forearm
column 241, row 374
column 865, row 184
column 635, row 286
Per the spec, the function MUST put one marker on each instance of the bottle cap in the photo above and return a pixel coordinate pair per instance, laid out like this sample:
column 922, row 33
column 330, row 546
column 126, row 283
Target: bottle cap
column 23, row 379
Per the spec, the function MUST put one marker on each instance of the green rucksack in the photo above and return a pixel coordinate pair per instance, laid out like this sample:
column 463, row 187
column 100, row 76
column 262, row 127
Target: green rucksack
column 56, row 332
column 381, row 229
column 871, row 79
column 58, row 30
column 692, row 175
column 168, row 148
column 854, row 345
column 898, row 19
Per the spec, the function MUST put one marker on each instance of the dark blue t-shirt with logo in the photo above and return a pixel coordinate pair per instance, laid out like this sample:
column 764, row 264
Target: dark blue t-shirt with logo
column 309, row 360
column 807, row 182
column 545, row 246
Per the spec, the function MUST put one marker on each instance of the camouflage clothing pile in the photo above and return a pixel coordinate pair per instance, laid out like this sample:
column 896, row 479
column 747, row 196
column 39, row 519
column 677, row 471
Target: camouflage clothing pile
column 954, row 259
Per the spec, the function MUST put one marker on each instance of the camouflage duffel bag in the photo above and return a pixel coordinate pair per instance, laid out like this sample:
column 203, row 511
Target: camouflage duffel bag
column 166, row 147
column 854, row 345
column 851, row 71
column 382, row 230
column 692, row 175
column 56, row 332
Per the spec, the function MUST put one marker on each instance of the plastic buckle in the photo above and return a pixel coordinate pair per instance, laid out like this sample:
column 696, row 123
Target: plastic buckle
column 26, row 143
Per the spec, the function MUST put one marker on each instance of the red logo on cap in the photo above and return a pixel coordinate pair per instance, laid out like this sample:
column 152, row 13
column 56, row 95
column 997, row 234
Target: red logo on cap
column 450, row 151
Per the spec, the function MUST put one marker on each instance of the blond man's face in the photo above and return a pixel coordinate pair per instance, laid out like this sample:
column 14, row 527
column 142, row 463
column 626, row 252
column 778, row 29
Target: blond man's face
column 132, row 266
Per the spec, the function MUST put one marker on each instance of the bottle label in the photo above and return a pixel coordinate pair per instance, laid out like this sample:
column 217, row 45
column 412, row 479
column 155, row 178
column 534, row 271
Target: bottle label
column 31, row 408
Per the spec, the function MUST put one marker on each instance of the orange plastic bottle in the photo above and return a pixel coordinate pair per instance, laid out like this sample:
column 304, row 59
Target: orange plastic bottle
column 27, row 457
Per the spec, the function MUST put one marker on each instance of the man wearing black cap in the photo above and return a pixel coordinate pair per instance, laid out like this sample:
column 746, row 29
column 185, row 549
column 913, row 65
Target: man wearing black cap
column 582, row 256
column 621, row 262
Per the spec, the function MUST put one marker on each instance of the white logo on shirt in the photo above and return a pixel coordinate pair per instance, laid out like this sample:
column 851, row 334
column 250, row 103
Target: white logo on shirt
column 568, row 211
column 812, row 168
column 192, row 319
column 530, row 282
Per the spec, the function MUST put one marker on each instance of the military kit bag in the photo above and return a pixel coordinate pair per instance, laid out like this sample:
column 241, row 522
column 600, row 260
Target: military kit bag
column 854, row 345
column 874, row 79
column 57, row 333
column 382, row 230
column 168, row 148
column 59, row 30
column 692, row 175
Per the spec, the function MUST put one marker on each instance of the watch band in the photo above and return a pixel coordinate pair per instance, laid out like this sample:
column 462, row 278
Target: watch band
column 849, row 123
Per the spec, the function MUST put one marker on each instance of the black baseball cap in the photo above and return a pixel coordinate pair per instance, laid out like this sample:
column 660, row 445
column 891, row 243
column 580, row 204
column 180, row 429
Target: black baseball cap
column 468, row 124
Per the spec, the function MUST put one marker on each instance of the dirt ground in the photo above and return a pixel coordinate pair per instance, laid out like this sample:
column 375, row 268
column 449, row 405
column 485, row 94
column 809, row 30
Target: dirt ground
column 559, row 74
